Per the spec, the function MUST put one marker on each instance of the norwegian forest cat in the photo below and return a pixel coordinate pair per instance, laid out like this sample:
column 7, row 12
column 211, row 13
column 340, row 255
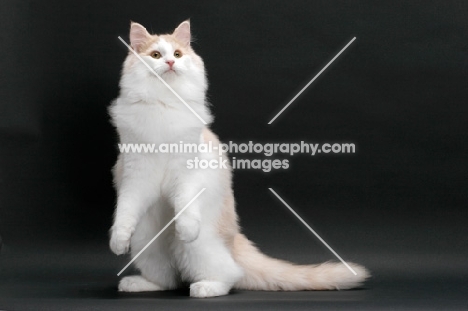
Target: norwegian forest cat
column 204, row 246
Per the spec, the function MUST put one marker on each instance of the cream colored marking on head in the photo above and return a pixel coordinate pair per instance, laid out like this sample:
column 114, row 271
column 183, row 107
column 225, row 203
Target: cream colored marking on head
column 166, row 49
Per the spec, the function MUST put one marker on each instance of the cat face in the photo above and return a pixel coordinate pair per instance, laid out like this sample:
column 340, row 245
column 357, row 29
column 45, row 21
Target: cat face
column 170, row 56
column 167, row 57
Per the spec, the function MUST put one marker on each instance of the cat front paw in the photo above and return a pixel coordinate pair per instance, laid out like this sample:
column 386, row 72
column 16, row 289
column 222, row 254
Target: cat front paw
column 120, row 240
column 187, row 229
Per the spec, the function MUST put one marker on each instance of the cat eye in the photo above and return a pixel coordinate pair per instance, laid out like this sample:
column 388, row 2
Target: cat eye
column 178, row 54
column 156, row 55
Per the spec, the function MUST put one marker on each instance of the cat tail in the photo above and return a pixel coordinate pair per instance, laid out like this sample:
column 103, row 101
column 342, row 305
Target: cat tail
column 265, row 273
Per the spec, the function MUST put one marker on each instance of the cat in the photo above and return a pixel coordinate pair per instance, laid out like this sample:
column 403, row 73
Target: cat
column 204, row 245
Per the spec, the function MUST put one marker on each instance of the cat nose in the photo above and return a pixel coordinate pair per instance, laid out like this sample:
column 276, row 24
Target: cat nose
column 170, row 63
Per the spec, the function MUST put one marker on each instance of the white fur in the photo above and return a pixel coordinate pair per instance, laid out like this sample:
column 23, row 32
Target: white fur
column 137, row 283
column 203, row 246
column 153, row 187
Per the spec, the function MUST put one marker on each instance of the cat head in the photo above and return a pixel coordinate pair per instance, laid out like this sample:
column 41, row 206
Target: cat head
column 170, row 56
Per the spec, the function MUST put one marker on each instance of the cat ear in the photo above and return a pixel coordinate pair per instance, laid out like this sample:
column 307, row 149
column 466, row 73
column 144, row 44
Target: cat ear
column 182, row 33
column 138, row 36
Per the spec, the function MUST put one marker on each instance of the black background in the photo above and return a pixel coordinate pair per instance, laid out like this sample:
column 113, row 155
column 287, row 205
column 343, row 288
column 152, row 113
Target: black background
column 399, row 92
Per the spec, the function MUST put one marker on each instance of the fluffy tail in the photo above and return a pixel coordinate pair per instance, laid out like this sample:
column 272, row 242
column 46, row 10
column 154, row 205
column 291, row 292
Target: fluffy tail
column 265, row 273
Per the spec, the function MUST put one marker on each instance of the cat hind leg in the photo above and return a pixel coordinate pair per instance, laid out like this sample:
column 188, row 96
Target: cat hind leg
column 205, row 289
column 137, row 283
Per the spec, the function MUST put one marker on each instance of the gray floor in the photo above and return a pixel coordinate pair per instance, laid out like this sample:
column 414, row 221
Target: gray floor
column 83, row 277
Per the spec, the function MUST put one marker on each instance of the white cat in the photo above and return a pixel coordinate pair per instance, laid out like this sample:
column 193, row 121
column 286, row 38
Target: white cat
column 204, row 245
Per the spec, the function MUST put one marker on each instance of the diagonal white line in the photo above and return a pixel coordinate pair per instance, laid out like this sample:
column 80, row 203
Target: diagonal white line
column 162, row 80
column 312, row 230
column 313, row 79
column 160, row 232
